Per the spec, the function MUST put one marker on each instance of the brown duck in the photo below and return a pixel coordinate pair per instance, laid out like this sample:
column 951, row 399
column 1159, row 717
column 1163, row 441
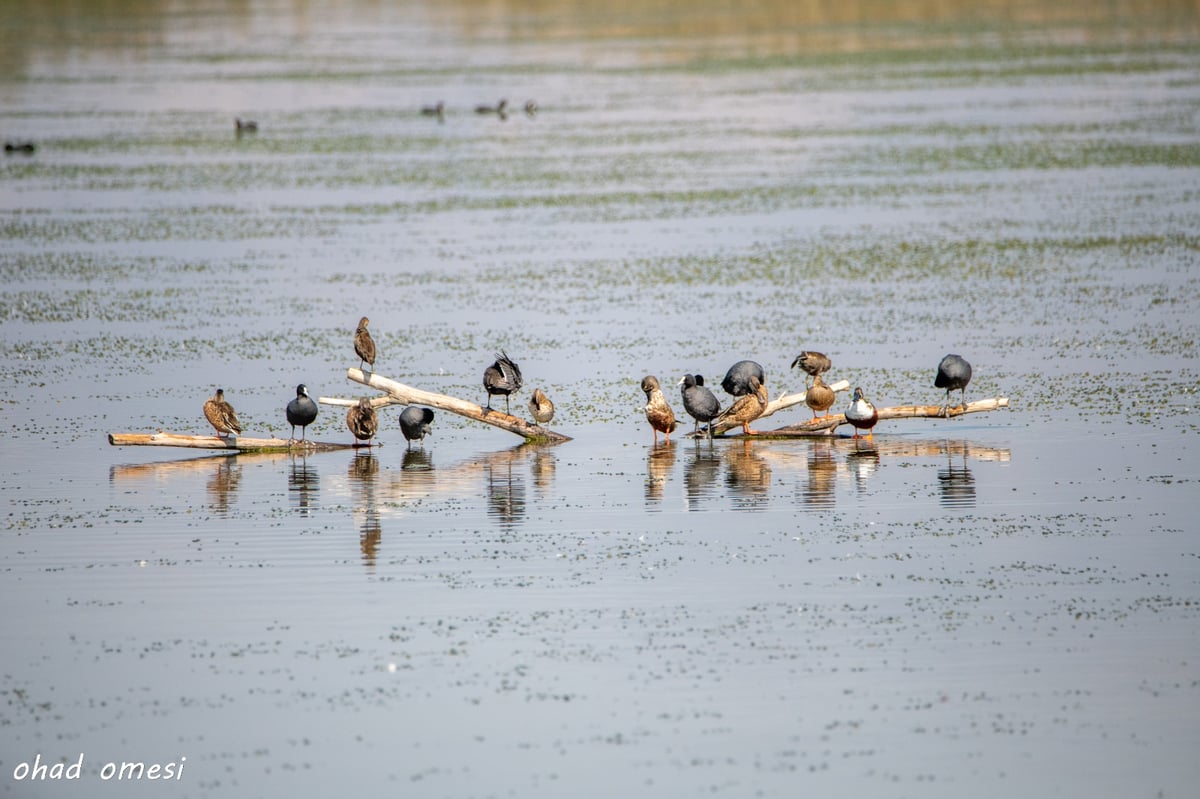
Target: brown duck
column 819, row 397
column 362, row 421
column 364, row 345
column 220, row 414
column 748, row 407
column 658, row 412
column 541, row 407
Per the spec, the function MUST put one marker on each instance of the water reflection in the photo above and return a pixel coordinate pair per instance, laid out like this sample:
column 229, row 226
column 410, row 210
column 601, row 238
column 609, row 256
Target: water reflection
column 862, row 464
column 700, row 472
column 505, row 486
column 543, row 469
column 363, row 473
column 659, row 464
column 417, row 460
column 822, row 469
column 223, row 484
column 303, row 485
column 956, row 484
column 748, row 476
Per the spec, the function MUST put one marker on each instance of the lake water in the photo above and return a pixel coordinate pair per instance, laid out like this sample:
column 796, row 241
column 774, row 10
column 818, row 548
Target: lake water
column 999, row 604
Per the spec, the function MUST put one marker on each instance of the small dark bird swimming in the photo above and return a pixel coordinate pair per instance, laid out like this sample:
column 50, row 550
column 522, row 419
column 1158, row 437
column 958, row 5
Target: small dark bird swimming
column 540, row 407
column 438, row 111
column 953, row 374
column 26, row 147
column 699, row 401
column 364, row 345
column 812, row 363
column 500, row 109
column 414, row 423
column 244, row 126
column 220, row 414
column 502, row 378
column 862, row 414
column 301, row 411
column 737, row 379
column 362, row 420
column 658, row 412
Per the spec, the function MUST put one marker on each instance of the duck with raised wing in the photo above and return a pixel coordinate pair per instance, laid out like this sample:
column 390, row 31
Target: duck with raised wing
column 220, row 415
column 502, row 378
column 658, row 412
column 301, row 411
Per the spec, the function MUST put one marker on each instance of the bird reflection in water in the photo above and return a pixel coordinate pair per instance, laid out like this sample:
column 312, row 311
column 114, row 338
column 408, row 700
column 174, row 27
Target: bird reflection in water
column 303, row 485
column 659, row 463
column 863, row 462
column 820, row 492
column 505, row 491
column 956, row 483
column 700, row 472
column 748, row 476
column 363, row 473
column 223, row 484
column 543, row 468
column 417, row 460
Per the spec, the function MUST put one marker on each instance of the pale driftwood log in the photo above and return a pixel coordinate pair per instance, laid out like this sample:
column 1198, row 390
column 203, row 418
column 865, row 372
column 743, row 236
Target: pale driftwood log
column 825, row 425
column 233, row 443
column 774, row 406
column 400, row 394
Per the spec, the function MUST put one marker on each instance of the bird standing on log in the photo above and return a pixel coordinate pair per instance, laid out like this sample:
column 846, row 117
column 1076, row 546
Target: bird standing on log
column 812, row 363
column 819, row 397
column 414, row 423
column 301, row 411
column 540, row 407
column 862, row 414
column 737, row 380
column 362, row 421
column 503, row 377
column 658, row 412
column 699, row 401
column 953, row 374
column 220, row 415
column 748, row 407
column 364, row 345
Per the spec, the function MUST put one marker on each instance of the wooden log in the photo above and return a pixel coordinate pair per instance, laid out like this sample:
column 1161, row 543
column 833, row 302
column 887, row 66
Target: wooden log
column 400, row 394
column 774, row 406
column 825, row 425
column 232, row 443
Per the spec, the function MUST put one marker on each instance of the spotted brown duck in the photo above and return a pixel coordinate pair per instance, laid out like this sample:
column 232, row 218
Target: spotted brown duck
column 658, row 412
column 220, row 415
column 364, row 345
column 747, row 407
column 362, row 421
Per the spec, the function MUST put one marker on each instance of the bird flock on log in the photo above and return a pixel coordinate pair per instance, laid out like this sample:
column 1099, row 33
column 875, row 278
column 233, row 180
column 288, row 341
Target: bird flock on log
column 745, row 381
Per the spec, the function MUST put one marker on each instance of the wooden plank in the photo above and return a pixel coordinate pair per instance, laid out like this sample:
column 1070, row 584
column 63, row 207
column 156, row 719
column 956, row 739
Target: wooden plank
column 232, row 443
column 400, row 394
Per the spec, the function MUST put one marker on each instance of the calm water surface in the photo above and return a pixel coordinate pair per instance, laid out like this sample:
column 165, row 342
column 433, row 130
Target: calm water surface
column 1001, row 604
